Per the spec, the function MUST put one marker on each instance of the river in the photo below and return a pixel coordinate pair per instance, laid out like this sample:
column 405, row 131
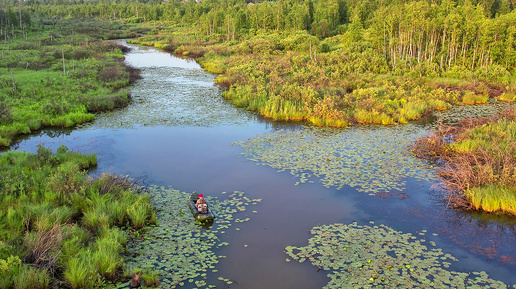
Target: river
column 180, row 132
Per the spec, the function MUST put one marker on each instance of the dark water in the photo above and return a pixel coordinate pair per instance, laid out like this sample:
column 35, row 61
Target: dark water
column 180, row 132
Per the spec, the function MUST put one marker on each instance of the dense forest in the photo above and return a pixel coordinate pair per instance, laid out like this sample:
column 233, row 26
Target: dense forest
column 329, row 62
column 423, row 36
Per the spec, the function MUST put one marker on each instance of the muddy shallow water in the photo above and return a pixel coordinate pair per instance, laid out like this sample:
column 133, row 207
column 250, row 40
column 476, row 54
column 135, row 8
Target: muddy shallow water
column 180, row 132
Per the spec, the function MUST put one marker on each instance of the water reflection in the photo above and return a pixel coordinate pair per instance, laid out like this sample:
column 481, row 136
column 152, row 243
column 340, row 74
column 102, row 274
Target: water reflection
column 146, row 57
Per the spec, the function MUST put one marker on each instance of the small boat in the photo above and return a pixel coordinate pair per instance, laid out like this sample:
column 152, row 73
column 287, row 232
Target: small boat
column 203, row 217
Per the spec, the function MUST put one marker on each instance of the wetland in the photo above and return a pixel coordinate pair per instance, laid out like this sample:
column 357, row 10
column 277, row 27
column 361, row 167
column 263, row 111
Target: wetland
column 297, row 206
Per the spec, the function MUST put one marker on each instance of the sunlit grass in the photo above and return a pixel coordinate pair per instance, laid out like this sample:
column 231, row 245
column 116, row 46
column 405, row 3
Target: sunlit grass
column 493, row 198
column 481, row 162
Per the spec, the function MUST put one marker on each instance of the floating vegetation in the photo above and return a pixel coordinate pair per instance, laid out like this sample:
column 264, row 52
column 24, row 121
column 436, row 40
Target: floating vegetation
column 458, row 113
column 378, row 256
column 172, row 96
column 178, row 249
column 371, row 158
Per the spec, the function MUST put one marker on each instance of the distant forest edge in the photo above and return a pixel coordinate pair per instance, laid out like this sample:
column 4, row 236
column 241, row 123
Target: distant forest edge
column 329, row 62
column 423, row 36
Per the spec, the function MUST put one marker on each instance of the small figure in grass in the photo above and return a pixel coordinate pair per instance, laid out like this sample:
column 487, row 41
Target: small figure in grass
column 201, row 205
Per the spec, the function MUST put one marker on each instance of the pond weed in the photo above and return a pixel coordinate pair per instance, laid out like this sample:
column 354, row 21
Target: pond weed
column 372, row 159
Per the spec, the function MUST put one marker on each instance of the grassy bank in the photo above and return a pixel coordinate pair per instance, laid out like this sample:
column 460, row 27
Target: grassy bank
column 60, row 74
column 297, row 76
column 479, row 161
column 61, row 227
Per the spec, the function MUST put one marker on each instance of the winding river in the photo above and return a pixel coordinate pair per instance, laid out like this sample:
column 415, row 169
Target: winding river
column 180, row 132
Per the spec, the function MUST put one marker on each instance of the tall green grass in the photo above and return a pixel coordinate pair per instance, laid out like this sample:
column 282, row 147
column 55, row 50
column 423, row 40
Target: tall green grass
column 61, row 226
column 32, row 278
column 80, row 271
column 106, row 256
column 493, row 198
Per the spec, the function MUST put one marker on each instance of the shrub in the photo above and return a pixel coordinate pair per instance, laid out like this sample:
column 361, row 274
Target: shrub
column 507, row 97
column 480, row 164
column 34, row 124
column 9, row 269
column 472, row 98
column 414, row 110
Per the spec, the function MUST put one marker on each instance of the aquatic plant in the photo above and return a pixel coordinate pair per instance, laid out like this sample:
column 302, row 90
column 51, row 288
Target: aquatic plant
column 182, row 102
column 372, row 159
column 152, row 279
column 179, row 249
column 364, row 256
column 492, row 198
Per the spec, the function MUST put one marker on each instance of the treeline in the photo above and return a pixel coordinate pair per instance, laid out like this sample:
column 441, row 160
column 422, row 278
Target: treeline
column 14, row 16
column 424, row 36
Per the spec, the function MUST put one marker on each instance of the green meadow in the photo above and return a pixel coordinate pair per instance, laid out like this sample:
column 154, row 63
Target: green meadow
column 60, row 75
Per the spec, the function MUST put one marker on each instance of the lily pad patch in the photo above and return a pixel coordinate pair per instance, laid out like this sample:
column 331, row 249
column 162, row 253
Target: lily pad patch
column 358, row 256
column 178, row 248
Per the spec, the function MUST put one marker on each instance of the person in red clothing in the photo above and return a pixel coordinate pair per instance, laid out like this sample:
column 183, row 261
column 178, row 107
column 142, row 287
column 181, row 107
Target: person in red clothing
column 201, row 204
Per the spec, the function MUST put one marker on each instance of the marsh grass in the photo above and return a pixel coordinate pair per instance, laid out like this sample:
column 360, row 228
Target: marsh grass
column 80, row 271
column 139, row 212
column 151, row 279
column 43, row 246
column 478, row 161
column 61, row 226
column 106, row 255
column 492, row 198
column 32, row 278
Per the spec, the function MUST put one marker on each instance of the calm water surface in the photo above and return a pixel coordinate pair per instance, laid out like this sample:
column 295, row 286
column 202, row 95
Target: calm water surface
column 180, row 132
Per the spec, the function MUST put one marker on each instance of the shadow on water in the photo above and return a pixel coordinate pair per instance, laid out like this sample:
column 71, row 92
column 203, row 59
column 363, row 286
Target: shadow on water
column 180, row 132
